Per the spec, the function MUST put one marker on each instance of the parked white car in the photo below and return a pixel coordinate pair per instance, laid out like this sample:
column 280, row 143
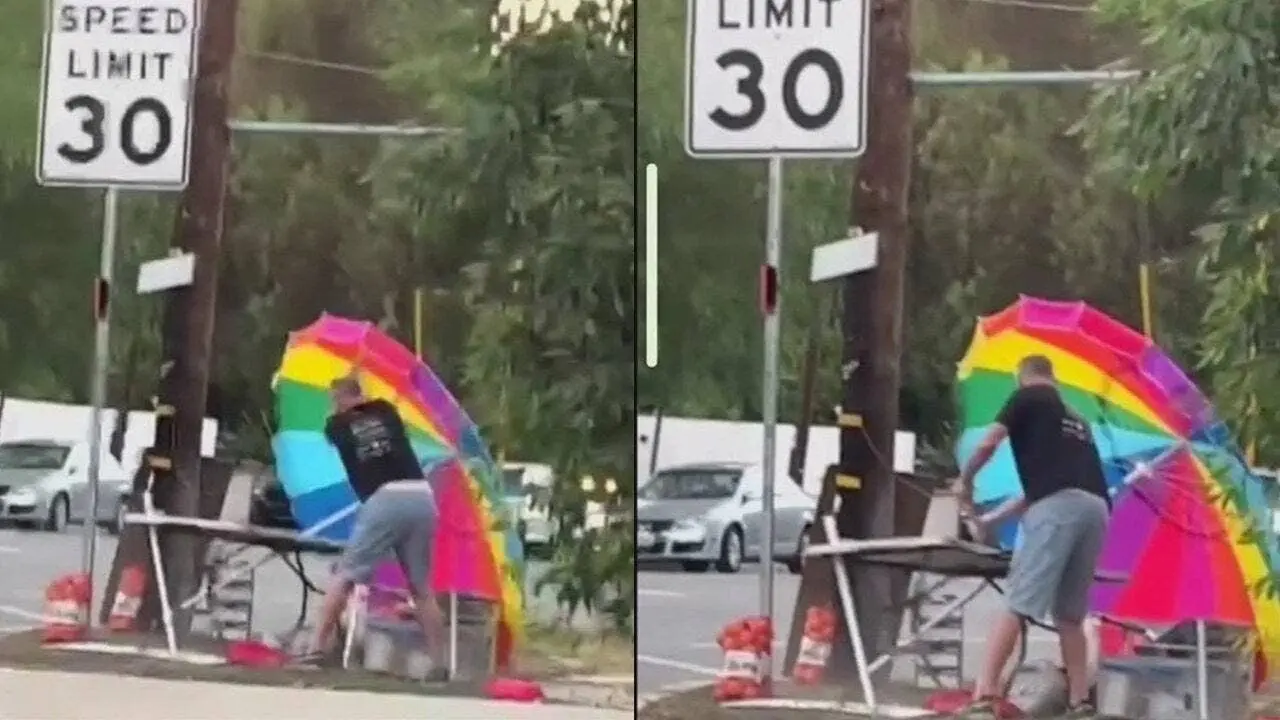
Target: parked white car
column 45, row 484
column 712, row 514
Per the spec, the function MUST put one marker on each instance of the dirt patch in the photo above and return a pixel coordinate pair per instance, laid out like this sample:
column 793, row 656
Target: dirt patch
column 550, row 653
column 540, row 660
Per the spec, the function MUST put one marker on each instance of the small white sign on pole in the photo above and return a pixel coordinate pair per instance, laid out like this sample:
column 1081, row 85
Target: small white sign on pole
column 778, row 78
column 844, row 257
column 116, row 105
column 166, row 273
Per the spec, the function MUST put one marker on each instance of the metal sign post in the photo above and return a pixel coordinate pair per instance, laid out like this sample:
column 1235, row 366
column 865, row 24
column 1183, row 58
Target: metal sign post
column 769, row 382
column 775, row 82
column 115, row 112
column 98, row 378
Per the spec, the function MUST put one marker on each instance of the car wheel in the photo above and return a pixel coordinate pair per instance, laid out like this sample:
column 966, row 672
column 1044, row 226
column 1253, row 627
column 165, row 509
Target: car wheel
column 59, row 514
column 730, row 551
column 796, row 563
column 695, row 566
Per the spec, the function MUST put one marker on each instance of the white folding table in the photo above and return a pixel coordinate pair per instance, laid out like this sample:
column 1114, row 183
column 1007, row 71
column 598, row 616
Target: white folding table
column 280, row 544
column 951, row 558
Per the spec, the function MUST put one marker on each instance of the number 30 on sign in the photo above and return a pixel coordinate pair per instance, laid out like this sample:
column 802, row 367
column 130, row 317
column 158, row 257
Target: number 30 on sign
column 782, row 78
column 116, row 107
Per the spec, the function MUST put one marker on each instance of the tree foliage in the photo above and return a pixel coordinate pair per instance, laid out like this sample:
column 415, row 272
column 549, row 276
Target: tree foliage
column 1201, row 129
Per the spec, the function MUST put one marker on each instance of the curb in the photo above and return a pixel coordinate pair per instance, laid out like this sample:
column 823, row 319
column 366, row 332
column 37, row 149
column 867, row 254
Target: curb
column 616, row 692
column 668, row 690
column 628, row 680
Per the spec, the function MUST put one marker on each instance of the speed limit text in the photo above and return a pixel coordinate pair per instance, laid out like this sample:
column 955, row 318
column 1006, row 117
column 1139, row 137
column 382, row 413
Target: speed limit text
column 122, row 21
column 780, row 14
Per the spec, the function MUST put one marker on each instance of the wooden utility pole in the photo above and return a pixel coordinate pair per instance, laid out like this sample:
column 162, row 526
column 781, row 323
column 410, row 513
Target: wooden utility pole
column 808, row 380
column 187, row 330
column 872, row 325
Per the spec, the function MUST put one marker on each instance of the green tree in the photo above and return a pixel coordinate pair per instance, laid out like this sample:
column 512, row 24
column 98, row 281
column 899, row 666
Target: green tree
column 1200, row 129
column 531, row 206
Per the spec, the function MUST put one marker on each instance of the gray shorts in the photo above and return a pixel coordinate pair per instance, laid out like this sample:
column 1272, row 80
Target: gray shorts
column 1052, row 570
column 398, row 520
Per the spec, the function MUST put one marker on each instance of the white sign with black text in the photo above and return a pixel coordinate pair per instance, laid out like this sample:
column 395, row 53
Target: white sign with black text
column 116, row 107
column 784, row 78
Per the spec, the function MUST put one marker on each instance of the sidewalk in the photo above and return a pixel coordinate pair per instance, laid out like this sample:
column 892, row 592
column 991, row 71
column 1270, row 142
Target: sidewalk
column 41, row 695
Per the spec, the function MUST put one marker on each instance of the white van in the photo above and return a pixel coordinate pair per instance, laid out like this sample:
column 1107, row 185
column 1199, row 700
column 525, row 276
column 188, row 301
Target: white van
column 527, row 487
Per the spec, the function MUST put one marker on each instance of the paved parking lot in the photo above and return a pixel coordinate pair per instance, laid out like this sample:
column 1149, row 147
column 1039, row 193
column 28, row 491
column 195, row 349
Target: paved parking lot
column 679, row 614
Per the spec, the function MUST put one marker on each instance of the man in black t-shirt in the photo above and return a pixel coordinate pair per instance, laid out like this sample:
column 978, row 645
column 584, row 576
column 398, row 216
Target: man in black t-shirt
column 1065, row 507
column 397, row 515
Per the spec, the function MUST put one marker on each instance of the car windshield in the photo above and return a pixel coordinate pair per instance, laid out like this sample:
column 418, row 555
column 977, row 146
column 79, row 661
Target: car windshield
column 539, row 497
column 692, row 484
column 513, row 481
column 32, row 456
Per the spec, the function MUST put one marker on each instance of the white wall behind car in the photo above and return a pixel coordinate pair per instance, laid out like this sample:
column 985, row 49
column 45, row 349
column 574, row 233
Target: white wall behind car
column 23, row 419
column 693, row 440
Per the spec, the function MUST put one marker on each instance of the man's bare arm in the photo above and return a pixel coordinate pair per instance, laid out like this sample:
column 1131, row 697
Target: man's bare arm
column 981, row 456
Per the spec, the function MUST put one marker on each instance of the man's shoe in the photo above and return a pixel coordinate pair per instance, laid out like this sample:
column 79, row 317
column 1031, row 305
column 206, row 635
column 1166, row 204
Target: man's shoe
column 1081, row 711
column 980, row 709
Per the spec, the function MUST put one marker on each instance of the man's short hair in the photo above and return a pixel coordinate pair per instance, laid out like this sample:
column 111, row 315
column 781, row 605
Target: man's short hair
column 1036, row 366
column 345, row 385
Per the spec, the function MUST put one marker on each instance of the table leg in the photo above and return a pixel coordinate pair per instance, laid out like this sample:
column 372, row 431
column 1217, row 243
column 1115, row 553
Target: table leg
column 166, row 610
column 357, row 606
column 1202, row 670
column 851, row 617
column 295, row 565
column 453, row 634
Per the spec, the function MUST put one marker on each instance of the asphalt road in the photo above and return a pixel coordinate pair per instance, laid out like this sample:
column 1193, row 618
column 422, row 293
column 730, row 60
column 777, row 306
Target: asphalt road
column 679, row 615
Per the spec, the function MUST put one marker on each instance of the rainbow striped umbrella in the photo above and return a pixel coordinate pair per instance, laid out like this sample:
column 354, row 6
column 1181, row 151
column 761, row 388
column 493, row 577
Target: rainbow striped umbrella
column 475, row 554
column 1191, row 526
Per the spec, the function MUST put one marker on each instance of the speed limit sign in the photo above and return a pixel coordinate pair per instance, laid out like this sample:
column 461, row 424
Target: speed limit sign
column 780, row 78
column 116, row 106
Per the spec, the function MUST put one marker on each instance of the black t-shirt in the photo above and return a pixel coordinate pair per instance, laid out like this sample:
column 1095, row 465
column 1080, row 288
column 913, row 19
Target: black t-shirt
column 1051, row 443
column 371, row 441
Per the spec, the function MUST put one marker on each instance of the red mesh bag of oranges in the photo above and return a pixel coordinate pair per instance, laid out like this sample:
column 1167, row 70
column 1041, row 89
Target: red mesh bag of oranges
column 747, row 644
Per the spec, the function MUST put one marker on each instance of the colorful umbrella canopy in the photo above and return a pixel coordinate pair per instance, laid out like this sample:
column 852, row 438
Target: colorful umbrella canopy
column 474, row 553
column 1191, row 525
